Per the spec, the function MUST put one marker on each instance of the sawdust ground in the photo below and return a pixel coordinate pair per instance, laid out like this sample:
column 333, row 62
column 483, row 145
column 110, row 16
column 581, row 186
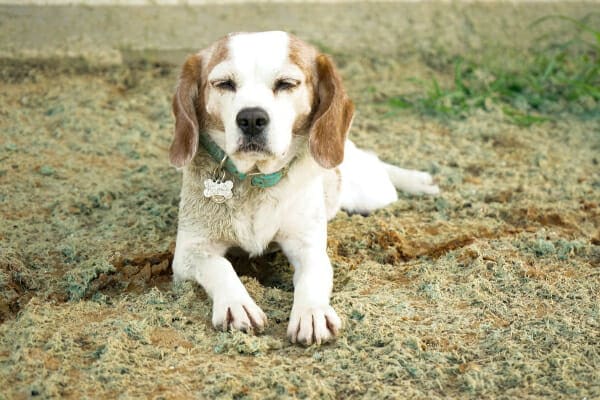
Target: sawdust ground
column 489, row 290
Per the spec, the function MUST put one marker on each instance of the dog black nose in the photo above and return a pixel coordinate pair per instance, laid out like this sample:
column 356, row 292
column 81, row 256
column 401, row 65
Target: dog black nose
column 252, row 121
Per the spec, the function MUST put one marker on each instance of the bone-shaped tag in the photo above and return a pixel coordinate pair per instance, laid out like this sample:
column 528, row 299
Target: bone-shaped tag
column 218, row 191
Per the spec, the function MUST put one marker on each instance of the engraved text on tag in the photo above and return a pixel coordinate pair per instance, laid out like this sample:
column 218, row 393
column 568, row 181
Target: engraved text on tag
column 218, row 191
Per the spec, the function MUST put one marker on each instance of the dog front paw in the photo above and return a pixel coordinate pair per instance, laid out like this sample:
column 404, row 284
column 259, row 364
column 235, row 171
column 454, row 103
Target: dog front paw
column 313, row 324
column 242, row 315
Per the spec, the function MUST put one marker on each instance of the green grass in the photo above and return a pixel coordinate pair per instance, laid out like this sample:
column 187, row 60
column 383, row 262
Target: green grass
column 561, row 77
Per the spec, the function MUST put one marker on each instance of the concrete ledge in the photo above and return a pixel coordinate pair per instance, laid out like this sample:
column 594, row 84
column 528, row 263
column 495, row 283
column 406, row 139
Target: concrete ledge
column 108, row 35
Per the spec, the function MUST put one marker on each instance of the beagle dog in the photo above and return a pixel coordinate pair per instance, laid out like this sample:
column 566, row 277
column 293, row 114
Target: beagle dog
column 261, row 121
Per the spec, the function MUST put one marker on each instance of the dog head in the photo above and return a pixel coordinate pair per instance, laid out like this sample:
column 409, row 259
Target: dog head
column 258, row 95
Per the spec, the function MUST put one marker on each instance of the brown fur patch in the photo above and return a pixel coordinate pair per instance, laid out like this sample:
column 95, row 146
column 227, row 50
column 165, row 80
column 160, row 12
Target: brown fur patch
column 186, row 108
column 303, row 56
column 189, row 102
column 220, row 53
column 302, row 124
column 333, row 116
column 214, row 122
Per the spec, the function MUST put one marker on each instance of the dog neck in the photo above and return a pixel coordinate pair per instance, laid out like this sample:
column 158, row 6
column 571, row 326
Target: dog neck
column 257, row 179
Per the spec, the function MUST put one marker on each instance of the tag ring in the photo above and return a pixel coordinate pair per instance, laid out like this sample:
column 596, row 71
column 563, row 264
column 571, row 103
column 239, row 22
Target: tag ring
column 218, row 169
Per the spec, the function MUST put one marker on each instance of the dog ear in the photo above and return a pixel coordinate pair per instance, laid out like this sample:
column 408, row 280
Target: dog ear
column 187, row 108
column 333, row 117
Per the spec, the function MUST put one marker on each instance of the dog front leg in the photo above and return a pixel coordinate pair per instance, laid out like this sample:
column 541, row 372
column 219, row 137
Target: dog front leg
column 233, row 308
column 312, row 319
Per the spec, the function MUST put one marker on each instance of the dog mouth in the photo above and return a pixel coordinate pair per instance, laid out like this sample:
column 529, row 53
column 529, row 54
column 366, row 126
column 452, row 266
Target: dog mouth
column 253, row 154
column 253, row 146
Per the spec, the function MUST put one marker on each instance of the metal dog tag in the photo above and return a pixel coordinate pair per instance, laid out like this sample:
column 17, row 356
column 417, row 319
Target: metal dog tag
column 217, row 190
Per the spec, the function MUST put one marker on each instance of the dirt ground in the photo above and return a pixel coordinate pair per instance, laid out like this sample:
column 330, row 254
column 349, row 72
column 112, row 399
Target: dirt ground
column 488, row 291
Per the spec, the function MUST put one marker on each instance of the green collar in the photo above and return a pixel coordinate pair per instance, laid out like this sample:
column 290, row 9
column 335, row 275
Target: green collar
column 259, row 180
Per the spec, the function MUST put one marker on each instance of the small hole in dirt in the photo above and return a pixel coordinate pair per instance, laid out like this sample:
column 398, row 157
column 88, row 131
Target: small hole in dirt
column 270, row 269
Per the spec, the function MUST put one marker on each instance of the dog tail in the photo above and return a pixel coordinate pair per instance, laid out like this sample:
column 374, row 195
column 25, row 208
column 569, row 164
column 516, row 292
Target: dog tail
column 411, row 181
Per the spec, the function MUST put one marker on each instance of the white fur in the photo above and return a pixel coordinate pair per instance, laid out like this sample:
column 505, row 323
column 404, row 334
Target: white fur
column 293, row 213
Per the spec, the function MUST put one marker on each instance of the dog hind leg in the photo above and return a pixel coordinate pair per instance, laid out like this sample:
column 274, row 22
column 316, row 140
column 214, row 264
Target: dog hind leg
column 369, row 183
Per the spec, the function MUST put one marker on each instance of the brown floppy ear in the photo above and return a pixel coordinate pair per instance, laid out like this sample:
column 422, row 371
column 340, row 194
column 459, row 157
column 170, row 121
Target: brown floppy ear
column 186, row 107
column 332, row 119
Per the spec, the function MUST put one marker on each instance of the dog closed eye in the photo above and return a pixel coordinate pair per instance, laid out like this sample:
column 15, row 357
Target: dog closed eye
column 285, row 84
column 224, row 84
